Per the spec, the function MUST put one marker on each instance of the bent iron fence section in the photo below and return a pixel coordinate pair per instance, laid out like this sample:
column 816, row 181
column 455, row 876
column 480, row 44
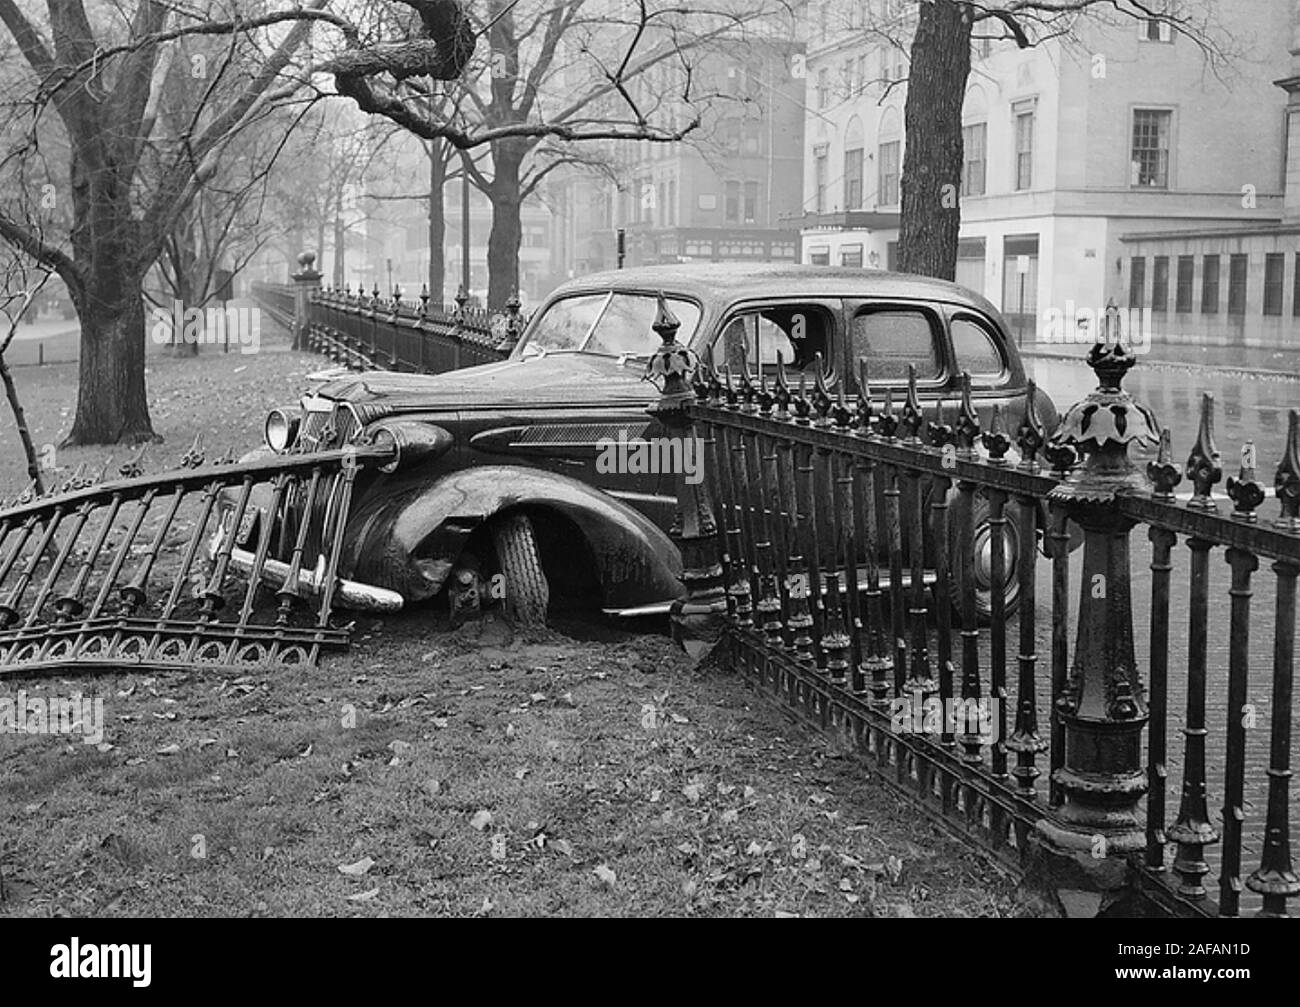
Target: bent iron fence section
column 154, row 572
column 367, row 331
column 832, row 517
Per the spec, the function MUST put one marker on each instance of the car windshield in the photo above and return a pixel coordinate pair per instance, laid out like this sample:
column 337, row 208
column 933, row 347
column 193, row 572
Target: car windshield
column 614, row 323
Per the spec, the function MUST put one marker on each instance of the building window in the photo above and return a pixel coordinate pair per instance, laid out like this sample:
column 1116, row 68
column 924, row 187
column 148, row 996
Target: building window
column 887, row 186
column 731, row 203
column 851, row 255
column 972, row 170
column 853, row 179
column 1210, row 285
column 1137, row 281
column 819, row 179
column 1149, row 164
column 1274, row 267
column 751, row 202
column 862, row 73
column 1160, row 284
column 823, row 87
column 1183, row 292
column 820, row 256
column 1025, row 149
column 1152, row 29
column 1237, row 284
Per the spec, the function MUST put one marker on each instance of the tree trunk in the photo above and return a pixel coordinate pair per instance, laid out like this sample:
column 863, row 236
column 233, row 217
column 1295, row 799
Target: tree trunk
column 340, row 250
column 24, row 432
column 932, row 162
column 437, row 222
column 112, row 406
column 507, row 230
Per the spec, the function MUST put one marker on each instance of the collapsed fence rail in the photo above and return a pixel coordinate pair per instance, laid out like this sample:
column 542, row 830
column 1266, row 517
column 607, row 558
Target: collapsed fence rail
column 858, row 552
column 203, row 566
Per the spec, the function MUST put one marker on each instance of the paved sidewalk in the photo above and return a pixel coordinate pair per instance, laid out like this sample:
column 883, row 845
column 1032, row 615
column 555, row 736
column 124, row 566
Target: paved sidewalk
column 1242, row 359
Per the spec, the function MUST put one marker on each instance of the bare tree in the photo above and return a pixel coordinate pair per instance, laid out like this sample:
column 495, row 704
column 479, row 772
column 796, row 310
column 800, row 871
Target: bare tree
column 20, row 286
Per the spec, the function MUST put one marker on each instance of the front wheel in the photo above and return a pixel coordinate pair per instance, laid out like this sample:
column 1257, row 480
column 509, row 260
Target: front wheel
column 528, row 594
column 983, row 566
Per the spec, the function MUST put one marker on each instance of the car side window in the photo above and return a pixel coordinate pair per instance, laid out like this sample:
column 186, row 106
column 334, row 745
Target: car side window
column 892, row 338
column 975, row 349
column 797, row 332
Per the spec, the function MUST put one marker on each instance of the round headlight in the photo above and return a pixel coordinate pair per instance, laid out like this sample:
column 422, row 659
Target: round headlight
column 281, row 430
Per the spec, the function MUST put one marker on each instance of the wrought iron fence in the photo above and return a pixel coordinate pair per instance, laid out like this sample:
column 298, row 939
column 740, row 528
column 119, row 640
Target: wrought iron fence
column 857, row 552
column 368, row 331
column 202, row 566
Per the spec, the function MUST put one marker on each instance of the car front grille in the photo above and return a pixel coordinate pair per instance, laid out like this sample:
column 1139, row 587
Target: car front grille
column 315, row 432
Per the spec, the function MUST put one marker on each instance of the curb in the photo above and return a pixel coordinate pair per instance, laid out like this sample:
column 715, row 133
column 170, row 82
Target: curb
column 1176, row 364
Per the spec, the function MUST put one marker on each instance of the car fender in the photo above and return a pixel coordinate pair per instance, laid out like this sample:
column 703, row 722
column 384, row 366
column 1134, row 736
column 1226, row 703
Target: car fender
column 408, row 531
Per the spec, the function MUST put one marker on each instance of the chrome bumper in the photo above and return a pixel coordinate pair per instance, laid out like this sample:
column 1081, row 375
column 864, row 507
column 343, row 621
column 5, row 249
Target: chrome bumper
column 347, row 593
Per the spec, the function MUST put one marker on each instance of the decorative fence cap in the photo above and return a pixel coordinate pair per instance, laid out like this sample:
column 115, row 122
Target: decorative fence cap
column 1103, row 425
column 672, row 364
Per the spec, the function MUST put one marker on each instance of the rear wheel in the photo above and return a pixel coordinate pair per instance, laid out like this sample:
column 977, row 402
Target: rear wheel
column 983, row 566
column 527, row 592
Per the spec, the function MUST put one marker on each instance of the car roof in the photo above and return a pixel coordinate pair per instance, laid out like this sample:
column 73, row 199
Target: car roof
column 742, row 280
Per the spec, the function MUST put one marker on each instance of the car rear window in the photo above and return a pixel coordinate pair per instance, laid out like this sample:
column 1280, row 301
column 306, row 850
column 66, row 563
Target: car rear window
column 892, row 338
column 975, row 349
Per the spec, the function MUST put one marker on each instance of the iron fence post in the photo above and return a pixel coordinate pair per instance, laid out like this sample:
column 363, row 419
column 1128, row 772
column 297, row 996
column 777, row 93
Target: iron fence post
column 305, row 282
column 698, row 619
column 1101, row 706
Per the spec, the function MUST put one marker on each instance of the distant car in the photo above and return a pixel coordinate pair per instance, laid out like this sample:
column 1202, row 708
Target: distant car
column 497, row 468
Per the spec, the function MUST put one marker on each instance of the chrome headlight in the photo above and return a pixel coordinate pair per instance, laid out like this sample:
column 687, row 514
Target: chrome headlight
column 281, row 430
column 410, row 441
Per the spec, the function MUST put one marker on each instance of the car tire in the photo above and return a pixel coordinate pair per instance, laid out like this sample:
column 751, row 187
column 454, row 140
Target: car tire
column 528, row 594
column 983, row 558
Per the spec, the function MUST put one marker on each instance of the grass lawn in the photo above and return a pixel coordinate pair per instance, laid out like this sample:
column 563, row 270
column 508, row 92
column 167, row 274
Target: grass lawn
column 587, row 771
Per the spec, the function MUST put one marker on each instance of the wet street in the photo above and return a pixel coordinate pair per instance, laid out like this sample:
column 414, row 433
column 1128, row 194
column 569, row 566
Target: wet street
column 1249, row 407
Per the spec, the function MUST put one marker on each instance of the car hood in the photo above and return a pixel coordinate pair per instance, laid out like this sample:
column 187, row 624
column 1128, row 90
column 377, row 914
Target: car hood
column 562, row 379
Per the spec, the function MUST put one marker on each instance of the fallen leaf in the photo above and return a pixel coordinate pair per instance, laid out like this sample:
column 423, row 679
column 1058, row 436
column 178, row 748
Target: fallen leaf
column 677, row 718
column 692, row 792
column 399, row 748
column 893, row 868
column 564, row 846
column 357, row 869
column 510, row 730
column 606, row 875
column 655, row 795
column 171, row 749
column 432, row 787
column 481, row 820
column 365, row 896
column 521, row 772
column 729, row 816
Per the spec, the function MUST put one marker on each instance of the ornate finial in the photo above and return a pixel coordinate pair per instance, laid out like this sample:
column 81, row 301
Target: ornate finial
column 841, row 415
column 27, row 495
column 996, row 440
column 1031, row 438
column 939, row 431
column 193, row 458
column 1101, row 427
column 887, row 423
column 967, row 428
column 702, row 380
column 1245, row 491
column 133, row 468
column 781, row 396
column 746, row 382
column 821, row 398
column 729, row 395
column 1162, row 472
column 1203, row 469
column 802, row 407
column 374, row 293
column 103, row 471
column 306, row 259
column 424, row 299
column 1110, row 361
column 865, row 413
column 763, row 396
column 672, row 363
column 462, row 298
column 913, row 417
column 1286, row 484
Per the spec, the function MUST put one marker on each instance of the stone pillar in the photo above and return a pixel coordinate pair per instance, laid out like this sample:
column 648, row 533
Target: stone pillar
column 1102, row 707
column 699, row 618
column 305, row 282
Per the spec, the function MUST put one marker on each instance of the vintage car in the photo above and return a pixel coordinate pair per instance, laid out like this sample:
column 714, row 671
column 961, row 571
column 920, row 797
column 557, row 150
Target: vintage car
column 497, row 469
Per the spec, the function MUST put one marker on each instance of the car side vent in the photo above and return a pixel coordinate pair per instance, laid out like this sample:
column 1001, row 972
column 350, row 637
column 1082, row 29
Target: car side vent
column 578, row 433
